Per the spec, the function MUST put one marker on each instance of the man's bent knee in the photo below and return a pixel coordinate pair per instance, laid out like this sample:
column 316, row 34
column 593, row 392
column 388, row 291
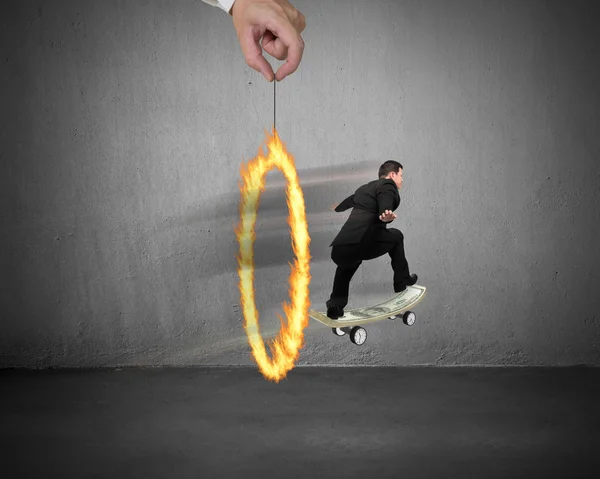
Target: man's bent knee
column 398, row 236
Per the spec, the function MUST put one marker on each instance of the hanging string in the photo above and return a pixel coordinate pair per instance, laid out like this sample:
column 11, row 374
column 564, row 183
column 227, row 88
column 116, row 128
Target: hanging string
column 274, row 101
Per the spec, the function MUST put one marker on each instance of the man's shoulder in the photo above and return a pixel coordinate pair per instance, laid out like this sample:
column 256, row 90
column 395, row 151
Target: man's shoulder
column 386, row 184
column 379, row 182
column 377, row 186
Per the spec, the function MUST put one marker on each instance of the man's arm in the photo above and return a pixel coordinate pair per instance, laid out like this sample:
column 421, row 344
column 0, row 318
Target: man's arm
column 386, row 198
column 344, row 205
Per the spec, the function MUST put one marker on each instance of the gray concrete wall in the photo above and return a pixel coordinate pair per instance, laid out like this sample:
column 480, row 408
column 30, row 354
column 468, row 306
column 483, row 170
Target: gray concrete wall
column 124, row 125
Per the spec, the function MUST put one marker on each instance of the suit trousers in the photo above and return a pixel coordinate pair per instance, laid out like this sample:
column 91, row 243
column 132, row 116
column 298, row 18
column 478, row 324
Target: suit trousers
column 349, row 257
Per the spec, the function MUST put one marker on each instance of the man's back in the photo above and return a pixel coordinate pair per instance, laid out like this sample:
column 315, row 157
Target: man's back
column 368, row 202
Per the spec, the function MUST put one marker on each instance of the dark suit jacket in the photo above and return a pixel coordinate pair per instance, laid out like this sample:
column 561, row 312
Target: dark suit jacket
column 368, row 203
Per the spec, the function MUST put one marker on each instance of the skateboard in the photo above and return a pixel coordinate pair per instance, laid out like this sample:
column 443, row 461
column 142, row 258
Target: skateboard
column 352, row 320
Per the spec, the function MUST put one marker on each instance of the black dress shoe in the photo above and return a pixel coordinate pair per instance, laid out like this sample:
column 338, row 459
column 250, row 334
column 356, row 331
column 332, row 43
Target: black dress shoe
column 399, row 287
column 334, row 312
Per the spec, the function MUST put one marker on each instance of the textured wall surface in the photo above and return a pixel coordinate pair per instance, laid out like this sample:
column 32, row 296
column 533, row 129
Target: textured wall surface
column 125, row 124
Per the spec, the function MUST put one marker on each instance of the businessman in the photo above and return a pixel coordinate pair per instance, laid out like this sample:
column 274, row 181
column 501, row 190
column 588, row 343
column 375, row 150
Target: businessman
column 365, row 235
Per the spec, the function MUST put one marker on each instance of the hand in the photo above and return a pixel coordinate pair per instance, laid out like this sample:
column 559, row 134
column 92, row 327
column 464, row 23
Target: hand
column 387, row 216
column 279, row 25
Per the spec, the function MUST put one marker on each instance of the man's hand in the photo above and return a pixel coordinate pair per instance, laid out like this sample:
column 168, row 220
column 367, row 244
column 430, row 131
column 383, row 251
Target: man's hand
column 387, row 216
column 279, row 25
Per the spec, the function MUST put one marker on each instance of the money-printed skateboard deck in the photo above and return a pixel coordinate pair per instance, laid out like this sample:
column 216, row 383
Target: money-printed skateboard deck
column 351, row 321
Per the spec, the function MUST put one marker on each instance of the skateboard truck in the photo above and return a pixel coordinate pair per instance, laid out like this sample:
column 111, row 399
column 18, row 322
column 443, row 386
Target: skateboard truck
column 408, row 317
column 358, row 334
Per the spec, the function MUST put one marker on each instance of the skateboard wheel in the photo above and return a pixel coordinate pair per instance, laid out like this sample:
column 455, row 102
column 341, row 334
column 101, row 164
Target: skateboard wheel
column 338, row 331
column 409, row 318
column 358, row 335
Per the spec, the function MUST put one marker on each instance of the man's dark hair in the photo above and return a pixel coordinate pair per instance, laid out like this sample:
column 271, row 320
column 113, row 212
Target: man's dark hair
column 388, row 167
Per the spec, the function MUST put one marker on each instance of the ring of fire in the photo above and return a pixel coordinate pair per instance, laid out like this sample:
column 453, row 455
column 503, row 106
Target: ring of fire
column 285, row 348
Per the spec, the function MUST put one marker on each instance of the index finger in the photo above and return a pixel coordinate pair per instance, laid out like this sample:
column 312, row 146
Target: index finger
column 252, row 52
column 288, row 35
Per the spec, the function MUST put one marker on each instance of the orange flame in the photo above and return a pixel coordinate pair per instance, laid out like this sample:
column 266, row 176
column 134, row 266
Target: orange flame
column 285, row 348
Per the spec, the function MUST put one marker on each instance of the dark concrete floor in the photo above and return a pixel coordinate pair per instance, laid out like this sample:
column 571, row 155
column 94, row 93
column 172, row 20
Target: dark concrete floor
column 318, row 423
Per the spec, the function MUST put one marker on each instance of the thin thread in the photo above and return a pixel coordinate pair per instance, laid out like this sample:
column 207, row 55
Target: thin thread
column 274, row 102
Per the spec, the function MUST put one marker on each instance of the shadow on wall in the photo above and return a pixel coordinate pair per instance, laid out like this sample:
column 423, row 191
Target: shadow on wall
column 212, row 227
column 231, row 347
